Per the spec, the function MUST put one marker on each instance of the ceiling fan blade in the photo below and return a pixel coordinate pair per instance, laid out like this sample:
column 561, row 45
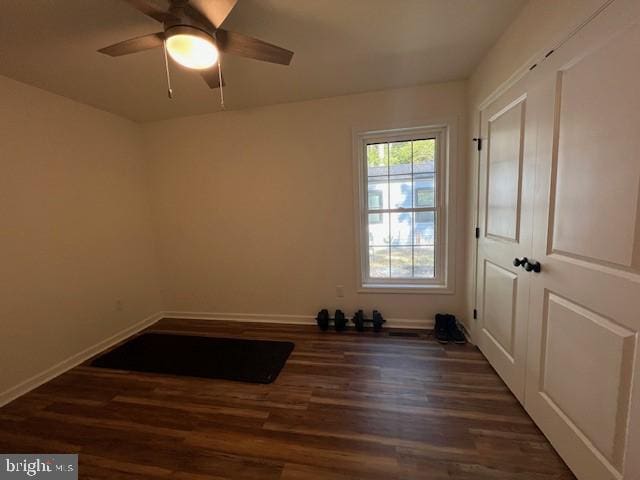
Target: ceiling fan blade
column 151, row 9
column 134, row 45
column 239, row 44
column 210, row 76
column 216, row 11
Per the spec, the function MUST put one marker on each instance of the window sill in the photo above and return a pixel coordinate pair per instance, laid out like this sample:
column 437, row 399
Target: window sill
column 434, row 289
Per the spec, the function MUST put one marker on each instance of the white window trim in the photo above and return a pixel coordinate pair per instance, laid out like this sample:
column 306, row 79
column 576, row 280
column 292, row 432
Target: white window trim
column 446, row 131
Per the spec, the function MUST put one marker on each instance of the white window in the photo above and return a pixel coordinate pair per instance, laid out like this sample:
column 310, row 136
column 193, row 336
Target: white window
column 402, row 197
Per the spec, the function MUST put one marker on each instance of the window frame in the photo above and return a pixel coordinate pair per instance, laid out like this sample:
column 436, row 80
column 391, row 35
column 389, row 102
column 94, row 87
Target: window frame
column 443, row 242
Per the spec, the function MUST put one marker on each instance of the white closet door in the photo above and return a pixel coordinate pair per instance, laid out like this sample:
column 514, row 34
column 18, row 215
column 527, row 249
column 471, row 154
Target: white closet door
column 506, row 181
column 583, row 366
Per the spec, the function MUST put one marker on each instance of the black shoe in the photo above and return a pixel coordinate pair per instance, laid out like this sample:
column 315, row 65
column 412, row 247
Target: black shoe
column 455, row 334
column 442, row 328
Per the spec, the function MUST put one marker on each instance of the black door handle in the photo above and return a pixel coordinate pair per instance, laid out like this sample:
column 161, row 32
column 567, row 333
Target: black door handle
column 520, row 262
column 527, row 265
column 533, row 267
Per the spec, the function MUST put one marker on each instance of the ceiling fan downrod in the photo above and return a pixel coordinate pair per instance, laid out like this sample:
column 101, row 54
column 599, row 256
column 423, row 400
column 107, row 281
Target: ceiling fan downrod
column 166, row 66
column 221, row 86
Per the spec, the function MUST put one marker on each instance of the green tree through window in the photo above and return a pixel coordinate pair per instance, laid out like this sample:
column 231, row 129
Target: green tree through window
column 422, row 151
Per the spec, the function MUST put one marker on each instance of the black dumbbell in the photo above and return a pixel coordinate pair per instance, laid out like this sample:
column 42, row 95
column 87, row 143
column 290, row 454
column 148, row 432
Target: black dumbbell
column 340, row 321
column 358, row 320
column 377, row 321
column 323, row 319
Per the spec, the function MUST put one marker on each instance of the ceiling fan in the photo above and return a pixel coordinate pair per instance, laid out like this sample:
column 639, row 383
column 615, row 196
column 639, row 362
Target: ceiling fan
column 193, row 38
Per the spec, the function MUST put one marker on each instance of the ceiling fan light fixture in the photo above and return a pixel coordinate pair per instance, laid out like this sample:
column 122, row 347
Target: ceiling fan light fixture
column 191, row 48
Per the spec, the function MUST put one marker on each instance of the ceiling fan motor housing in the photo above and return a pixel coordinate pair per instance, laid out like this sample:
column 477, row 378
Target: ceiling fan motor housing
column 185, row 29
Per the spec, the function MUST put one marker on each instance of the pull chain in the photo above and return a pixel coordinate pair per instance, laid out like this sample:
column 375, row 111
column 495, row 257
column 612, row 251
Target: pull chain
column 220, row 81
column 166, row 64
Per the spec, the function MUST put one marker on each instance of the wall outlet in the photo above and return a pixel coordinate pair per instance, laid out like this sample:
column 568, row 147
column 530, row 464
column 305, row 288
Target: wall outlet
column 339, row 291
column 119, row 305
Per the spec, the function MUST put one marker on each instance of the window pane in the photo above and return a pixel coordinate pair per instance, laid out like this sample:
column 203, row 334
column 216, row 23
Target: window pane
column 377, row 159
column 378, row 229
column 400, row 158
column 423, row 262
column 379, row 262
column 401, row 228
column 425, row 228
column 400, row 189
column 401, row 262
column 424, row 188
column 424, row 155
column 378, row 193
column 375, row 200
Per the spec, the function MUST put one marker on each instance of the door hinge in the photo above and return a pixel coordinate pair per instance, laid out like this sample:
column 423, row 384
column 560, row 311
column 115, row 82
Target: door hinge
column 477, row 232
column 478, row 143
column 475, row 314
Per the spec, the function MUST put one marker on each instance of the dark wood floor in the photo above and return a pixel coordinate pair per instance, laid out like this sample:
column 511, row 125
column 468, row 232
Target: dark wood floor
column 345, row 406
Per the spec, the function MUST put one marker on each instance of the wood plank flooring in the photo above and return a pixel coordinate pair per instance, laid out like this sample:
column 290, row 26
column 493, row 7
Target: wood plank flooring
column 345, row 406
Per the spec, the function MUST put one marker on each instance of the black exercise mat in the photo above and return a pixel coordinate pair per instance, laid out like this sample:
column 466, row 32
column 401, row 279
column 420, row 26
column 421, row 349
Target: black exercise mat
column 254, row 361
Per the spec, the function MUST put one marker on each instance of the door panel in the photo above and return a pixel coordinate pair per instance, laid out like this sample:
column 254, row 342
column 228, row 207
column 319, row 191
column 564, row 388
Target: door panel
column 598, row 151
column 500, row 297
column 505, row 135
column 569, row 331
column 503, row 291
column 582, row 361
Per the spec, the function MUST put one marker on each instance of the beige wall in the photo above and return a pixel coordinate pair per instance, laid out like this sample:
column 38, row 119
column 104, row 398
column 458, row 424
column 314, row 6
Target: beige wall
column 541, row 25
column 254, row 208
column 75, row 232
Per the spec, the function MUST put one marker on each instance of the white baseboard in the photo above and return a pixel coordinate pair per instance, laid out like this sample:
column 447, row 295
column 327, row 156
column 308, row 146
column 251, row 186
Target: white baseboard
column 466, row 331
column 74, row 360
column 419, row 324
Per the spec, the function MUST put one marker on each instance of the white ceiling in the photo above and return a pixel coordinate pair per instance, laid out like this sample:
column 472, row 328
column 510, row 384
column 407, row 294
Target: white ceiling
column 341, row 47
